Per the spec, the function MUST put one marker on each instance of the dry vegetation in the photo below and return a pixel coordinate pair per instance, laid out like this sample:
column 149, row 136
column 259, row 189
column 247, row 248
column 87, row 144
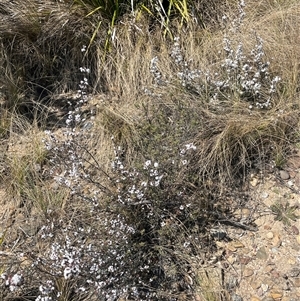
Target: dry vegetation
column 116, row 200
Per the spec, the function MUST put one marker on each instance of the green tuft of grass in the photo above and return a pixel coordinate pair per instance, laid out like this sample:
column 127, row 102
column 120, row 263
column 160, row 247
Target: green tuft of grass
column 284, row 212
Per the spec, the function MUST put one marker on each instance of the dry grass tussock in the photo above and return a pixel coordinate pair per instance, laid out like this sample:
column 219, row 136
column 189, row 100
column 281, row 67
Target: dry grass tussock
column 117, row 200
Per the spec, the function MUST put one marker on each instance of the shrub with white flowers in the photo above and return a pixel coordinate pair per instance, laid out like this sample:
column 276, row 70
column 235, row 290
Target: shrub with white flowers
column 246, row 75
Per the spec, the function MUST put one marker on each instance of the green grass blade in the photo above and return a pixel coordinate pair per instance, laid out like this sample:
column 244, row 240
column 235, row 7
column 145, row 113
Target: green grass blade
column 94, row 34
column 95, row 10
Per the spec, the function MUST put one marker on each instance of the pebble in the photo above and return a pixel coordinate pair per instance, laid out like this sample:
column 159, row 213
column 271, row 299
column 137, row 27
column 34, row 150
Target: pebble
column 295, row 230
column 275, row 274
column 284, row 175
column 245, row 260
column 88, row 125
column 245, row 212
column 264, row 195
column 259, row 221
column 276, row 240
column 248, row 272
column 270, row 235
column 231, row 259
column 231, row 248
column 276, row 295
column 274, row 250
column 296, row 282
column 254, row 299
column 264, row 287
column 298, row 239
column 254, row 182
column 262, row 253
column 291, row 261
column 255, row 284
column 237, row 244
column 260, row 292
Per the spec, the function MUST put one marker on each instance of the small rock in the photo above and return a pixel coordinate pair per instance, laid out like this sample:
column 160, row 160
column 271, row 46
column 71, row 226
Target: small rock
column 296, row 282
column 260, row 292
column 291, row 261
column 262, row 253
column 295, row 230
column 276, row 240
column 255, row 284
column 284, row 175
column 270, row 235
column 264, row 195
column 248, row 272
column 88, row 125
column 264, row 287
column 231, row 248
column 274, row 250
column 220, row 244
column 298, row 239
column 254, row 182
column 237, row 244
column 231, row 259
column 254, row 299
column 245, row 212
column 276, row 295
column 275, row 274
column 245, row 260
column 259, row 221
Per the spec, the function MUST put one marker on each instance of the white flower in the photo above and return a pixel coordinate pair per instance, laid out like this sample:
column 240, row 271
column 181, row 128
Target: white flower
column 147, row 164
column 13, row 282
column 67, row 273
